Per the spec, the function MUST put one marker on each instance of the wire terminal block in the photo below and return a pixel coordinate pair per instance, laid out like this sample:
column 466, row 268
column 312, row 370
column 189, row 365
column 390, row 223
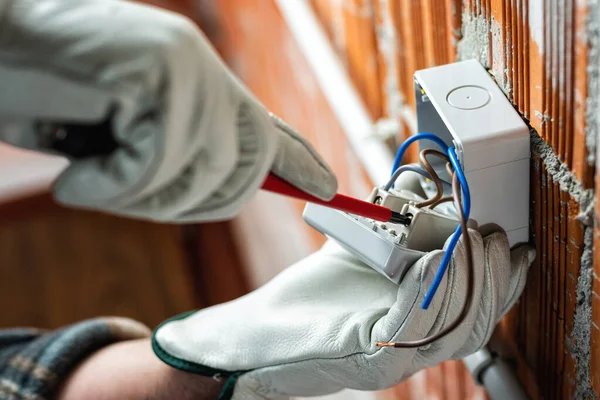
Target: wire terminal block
column 386, row 247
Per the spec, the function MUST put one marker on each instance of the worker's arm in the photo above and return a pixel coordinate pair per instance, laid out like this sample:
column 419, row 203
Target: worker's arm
column 99, row 359
column 313, row 329
column 192, row 143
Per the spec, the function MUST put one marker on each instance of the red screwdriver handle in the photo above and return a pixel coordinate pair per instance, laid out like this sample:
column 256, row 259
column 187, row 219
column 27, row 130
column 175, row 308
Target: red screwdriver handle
column 339, row 202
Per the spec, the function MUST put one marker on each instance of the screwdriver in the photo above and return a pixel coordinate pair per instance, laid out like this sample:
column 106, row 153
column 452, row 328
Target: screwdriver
column 85, row 140
column 340, row 202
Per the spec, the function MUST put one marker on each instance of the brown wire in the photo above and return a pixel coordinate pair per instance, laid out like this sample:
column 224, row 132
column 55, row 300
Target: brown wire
column 446, row 198
column 434, row 176
column 456, row 192
column 442, row 200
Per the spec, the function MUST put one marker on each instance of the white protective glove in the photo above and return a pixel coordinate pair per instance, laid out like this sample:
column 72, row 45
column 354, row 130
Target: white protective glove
column 312, row 330
column 193, row 143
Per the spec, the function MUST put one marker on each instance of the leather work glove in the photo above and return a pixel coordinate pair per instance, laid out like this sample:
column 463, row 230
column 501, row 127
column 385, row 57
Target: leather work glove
column 191, row 142
column 313, row 329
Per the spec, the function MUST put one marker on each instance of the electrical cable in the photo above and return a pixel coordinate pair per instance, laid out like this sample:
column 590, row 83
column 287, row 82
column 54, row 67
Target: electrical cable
column 470, row 275
column 454, row 239
column 437, row 199
column 459, row 183
column 436, row 179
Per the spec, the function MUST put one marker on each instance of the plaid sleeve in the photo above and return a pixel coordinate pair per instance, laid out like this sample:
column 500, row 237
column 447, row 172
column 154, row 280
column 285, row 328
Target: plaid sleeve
column 33, row 363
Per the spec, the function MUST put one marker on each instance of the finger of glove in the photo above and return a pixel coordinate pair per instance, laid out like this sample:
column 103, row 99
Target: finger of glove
column 521, row 258
column 297, row 162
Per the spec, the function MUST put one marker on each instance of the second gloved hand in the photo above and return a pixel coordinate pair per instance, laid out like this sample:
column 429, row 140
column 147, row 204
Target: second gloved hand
column 193, row 144
column 313, row 329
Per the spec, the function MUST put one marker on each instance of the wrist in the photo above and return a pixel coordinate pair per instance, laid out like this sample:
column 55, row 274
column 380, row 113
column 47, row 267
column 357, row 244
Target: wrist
column 131, row 370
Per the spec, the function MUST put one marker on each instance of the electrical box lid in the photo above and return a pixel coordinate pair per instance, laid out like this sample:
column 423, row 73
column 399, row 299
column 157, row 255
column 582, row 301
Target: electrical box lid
column 462, row 104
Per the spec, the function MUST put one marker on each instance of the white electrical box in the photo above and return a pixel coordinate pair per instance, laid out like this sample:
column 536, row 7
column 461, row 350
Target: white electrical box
column 386, row 247
column 464, row 106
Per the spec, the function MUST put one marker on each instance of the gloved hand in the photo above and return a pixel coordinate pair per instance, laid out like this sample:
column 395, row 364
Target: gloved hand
column 313, row 329
column 193, row 144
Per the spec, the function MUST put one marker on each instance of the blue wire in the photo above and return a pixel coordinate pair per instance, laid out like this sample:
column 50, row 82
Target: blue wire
column 454, row 240
column 412, row 139
column 466, row 203
column 463, row 181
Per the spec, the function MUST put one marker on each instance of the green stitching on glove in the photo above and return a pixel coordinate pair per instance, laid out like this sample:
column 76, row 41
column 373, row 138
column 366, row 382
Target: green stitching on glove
column 188, row 366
